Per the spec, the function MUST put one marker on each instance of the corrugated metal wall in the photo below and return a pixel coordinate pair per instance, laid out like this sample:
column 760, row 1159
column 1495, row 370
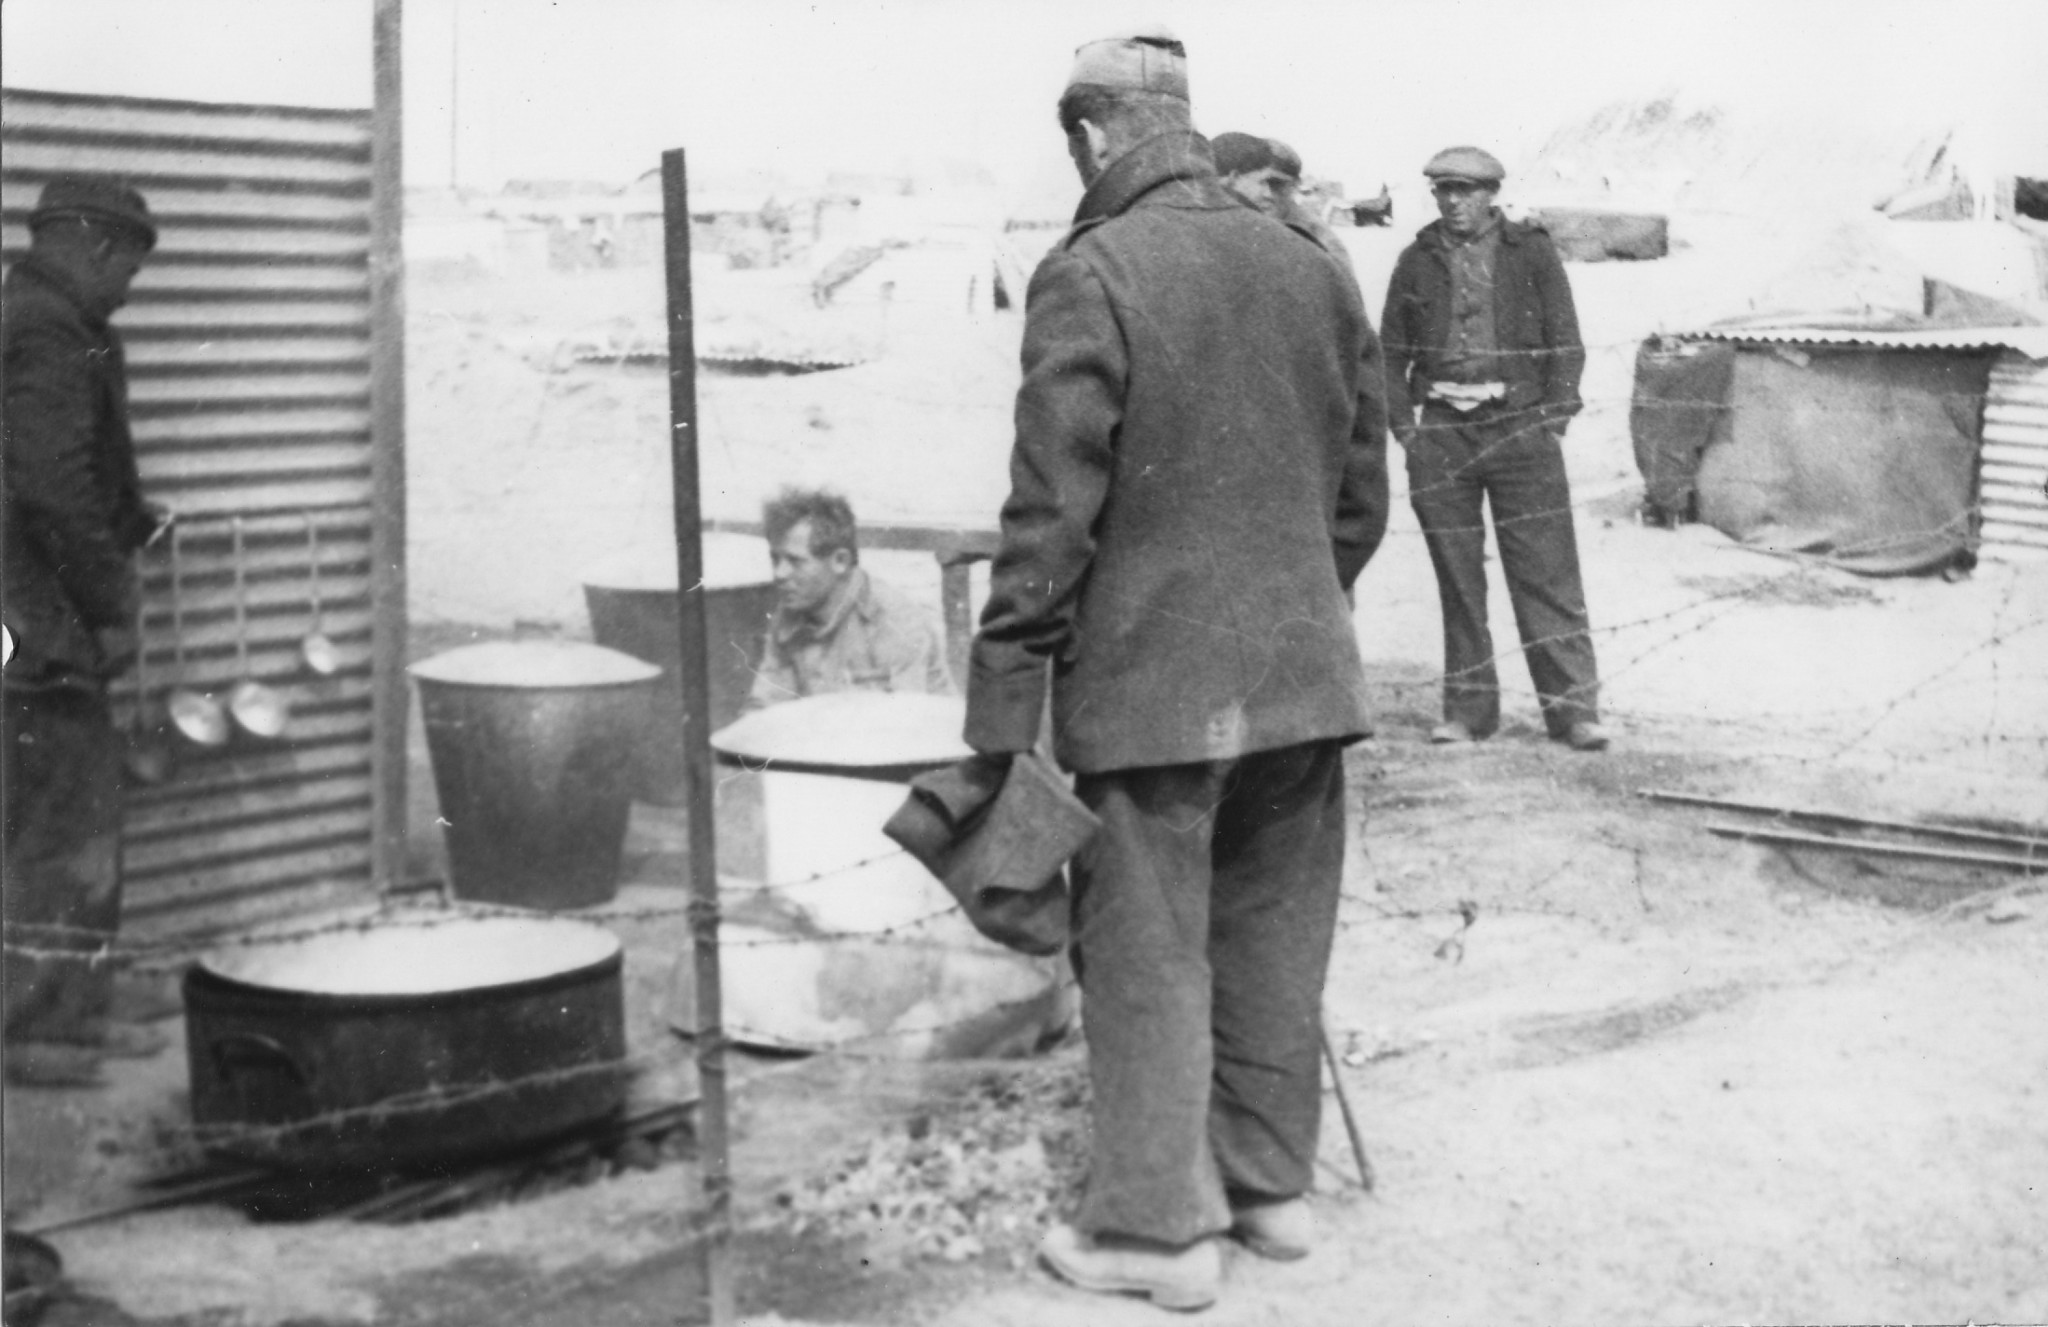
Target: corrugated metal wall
column 2013, row 482
column 248, row 338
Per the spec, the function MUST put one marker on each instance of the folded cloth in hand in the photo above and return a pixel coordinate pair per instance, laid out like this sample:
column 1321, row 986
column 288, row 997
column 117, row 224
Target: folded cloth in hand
column 998, row 837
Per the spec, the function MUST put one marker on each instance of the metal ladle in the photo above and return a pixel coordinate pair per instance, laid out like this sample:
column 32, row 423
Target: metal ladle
column 150, row 758
column 319, row 652
column 258, row 710
column 196, row 716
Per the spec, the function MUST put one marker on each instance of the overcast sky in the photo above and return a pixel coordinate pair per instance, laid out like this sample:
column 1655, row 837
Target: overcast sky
column 595, row 89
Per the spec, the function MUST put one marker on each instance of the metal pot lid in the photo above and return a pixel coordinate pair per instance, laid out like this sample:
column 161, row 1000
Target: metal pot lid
column 850, row 730
column 730, row 560
column 430, row 955
column 544, row 664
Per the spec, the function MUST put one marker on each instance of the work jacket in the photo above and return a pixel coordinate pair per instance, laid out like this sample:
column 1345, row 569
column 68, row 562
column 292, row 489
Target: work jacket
column 74, row 508
column 872, row 638
column 1198, row 474
column 1536, row 327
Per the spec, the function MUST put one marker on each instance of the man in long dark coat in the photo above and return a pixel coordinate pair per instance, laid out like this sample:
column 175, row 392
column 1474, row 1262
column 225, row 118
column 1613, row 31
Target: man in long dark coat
column 1198, row 475
column 1483, row 368
column 75, row 515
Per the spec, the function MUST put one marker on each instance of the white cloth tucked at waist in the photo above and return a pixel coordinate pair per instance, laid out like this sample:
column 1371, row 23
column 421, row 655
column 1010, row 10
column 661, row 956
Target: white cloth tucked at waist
column 1467, row 395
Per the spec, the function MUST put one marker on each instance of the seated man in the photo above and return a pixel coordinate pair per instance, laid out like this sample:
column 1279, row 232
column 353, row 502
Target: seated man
column 836, row 628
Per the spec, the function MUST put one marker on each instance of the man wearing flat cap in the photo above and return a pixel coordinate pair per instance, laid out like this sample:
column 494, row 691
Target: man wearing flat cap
column 75, row 516
column 1197, row 476
column 1266, row 173
column 1483, row 367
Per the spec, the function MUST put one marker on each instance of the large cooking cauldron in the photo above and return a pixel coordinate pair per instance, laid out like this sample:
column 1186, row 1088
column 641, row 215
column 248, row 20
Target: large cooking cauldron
column 411, row 1040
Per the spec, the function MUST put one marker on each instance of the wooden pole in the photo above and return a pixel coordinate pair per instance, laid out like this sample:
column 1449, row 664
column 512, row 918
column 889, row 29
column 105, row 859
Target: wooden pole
column 715, row 1164
column 390, row 700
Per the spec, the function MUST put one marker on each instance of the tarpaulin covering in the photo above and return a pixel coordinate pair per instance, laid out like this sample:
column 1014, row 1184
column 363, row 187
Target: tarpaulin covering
column 1865, row 457
column 1681, row 393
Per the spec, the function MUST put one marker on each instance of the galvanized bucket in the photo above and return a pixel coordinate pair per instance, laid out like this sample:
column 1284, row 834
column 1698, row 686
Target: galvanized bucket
column 534, row 746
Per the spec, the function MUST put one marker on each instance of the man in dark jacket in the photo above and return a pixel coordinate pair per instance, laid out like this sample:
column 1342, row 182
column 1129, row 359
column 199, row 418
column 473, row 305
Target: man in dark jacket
column 1198, row 475
column 1483, row 366
column 74, row 517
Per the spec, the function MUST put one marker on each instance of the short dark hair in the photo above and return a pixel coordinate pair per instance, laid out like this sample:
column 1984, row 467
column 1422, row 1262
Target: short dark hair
column 1142, row 113
column 830, row 515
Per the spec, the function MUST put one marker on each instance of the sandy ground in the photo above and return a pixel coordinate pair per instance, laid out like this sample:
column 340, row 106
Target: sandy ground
column 1664, row 1076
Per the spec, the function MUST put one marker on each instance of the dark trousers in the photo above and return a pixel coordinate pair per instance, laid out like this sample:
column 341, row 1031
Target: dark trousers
column 62, row 897
column 1456, row 462
column 1203, row 918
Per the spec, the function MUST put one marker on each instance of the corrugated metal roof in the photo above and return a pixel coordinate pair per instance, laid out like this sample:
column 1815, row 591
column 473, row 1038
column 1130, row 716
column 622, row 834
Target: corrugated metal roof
column 2029, row 341
column 248, row 345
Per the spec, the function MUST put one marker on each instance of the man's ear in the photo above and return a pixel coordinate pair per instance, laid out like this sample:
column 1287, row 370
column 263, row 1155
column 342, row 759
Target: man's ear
column 841, row 560
column 1098, row 141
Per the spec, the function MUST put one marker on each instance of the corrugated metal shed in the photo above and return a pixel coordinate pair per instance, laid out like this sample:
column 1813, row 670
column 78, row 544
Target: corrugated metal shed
column 249, row 351
column 2013, row 481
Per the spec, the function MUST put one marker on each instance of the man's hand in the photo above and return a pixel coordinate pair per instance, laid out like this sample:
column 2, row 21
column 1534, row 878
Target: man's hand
column 118, row 650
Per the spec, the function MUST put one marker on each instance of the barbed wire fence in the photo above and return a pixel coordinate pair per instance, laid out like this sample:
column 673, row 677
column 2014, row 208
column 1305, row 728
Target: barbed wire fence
column 2011, row 649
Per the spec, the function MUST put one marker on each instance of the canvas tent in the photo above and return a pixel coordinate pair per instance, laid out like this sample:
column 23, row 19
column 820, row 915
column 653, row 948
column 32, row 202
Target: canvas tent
column 1858, row 446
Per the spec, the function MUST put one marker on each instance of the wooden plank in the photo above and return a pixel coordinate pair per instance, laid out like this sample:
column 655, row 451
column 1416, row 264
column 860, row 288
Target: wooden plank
column 387, row 377
column 1874, row 848
column 1819, row 816
column 947, row 542
column 190, row 919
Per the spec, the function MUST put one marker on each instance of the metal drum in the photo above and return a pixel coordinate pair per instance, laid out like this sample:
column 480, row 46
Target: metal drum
column 633, row 608
column 534, row 747
column 405, row 1041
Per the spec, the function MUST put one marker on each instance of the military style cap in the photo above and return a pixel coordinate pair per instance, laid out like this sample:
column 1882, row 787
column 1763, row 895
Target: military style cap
column 1238, row 153
column 1466, row 163
column 1150, row 59
column 104, row 198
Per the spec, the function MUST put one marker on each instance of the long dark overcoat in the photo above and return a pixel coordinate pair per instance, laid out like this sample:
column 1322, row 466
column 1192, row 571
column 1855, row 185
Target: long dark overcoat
column 1199, row 473
column 74, row 508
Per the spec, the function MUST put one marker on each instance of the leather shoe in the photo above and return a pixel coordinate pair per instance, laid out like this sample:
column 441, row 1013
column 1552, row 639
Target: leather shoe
column 1184, row 1279
column 1586, row 736
column 1283, row 1231
column 1450, row 733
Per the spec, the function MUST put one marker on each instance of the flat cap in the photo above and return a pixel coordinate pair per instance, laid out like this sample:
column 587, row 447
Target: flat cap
column 1238, row 153
column 1150, row 59
column 1285, row 159
column 1466, row 163
column 94, row 197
